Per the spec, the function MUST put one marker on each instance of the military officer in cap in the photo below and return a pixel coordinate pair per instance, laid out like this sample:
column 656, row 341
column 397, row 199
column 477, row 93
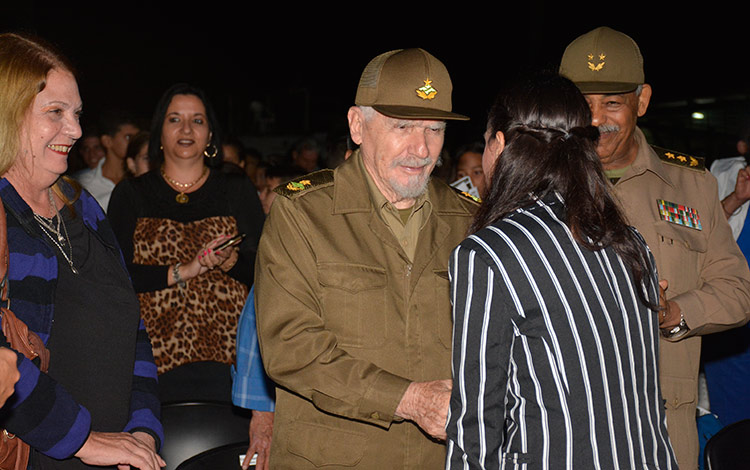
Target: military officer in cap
column 352, row 288
column 673, row 201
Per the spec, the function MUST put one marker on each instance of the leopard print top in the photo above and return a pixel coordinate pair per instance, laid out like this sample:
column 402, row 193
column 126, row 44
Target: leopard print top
column 197, row 322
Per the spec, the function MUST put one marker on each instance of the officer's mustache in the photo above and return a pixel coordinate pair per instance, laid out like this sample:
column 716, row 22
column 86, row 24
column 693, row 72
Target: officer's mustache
column 605, row 128
column 414, row 162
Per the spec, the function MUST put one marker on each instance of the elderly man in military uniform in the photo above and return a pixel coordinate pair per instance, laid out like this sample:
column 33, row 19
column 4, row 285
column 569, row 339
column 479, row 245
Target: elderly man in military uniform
column 673, row 201
column 352, row 286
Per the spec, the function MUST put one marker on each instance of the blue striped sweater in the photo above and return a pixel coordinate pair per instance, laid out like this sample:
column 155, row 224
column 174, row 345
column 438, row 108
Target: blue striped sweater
column 41, row 411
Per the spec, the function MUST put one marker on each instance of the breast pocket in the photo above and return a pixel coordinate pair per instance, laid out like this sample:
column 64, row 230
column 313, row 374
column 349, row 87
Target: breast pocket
column 354, row 303
column 680, row 250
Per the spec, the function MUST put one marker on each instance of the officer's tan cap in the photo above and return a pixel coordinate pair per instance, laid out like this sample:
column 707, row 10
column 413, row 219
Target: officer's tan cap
column 407, row 84
column 603, row 61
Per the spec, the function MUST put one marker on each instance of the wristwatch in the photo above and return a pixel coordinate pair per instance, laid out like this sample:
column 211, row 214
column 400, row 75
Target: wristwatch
column 677, row 331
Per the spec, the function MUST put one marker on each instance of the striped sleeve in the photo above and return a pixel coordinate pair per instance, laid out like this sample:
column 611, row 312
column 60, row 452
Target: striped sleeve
column 145, row 407
column 45, row 415
column 481, row 363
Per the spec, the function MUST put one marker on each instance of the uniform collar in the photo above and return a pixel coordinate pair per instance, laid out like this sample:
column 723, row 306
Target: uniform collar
column 645, row 160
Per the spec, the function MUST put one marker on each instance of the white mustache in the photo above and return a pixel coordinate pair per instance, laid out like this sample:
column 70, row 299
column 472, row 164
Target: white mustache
column 414, row 162
column 604, row 128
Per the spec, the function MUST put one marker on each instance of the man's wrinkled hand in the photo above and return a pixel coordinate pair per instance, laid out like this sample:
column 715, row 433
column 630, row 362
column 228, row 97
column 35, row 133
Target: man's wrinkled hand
column 260, row 432
column 427, row 403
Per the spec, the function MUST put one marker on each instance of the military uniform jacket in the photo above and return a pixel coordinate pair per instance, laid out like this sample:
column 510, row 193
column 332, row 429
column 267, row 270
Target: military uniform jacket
column 707, row 274
column 346, row 321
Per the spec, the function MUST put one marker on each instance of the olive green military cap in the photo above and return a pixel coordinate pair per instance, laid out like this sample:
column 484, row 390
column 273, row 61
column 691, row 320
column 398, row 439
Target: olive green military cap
column 407, row 84
column 603, row 61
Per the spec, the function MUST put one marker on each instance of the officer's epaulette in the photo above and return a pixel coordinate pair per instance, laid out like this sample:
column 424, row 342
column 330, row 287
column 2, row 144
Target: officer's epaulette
column 680, row 159
column 304, row 183
column 466, row 195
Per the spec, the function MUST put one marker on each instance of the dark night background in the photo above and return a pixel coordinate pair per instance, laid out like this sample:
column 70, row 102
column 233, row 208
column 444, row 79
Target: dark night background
column 277, row 71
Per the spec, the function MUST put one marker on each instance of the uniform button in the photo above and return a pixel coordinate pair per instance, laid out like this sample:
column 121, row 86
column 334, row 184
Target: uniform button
column 375, row 415
column 404, row 242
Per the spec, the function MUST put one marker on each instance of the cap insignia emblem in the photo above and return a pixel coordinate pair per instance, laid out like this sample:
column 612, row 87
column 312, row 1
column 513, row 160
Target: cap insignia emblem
column 427, row 92
column 599, row 66
column 298, row 186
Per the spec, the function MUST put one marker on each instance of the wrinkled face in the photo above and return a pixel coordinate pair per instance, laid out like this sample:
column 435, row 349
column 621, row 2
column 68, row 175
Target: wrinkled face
column 399, row 154
column 91, row 150
column 185, row 133
column 50, row 128
column 117, row 145
column 470, row 164
column 616, row 116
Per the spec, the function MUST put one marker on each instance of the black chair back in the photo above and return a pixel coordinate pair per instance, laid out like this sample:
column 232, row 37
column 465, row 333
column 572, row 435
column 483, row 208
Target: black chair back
column 729, row 448
column 194, row 427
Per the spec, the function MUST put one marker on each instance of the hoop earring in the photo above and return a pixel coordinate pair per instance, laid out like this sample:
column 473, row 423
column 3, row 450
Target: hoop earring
column 213, row 154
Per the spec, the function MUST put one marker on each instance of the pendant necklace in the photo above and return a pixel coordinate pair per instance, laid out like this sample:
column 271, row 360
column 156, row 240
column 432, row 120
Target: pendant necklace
column 181, row 197
column 51, row 227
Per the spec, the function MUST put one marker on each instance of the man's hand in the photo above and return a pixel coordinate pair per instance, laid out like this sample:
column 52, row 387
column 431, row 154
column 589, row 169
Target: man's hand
column 742, row 186
column 261, row 431
column 426, row 403
column 669, row 313
column 740, row 195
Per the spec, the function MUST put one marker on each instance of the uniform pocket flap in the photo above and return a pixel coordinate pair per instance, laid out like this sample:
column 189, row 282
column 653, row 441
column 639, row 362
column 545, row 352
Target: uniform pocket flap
column 324, row 445
column 351, row 277
column 443, row 274
column 678, row 391
column 690, row 238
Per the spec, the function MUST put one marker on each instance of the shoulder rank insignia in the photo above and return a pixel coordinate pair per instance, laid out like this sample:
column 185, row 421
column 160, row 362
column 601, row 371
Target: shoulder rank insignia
column 297, row 185
column 680, row 159
column 679, row 214
column 467, row 195
column 304, row 183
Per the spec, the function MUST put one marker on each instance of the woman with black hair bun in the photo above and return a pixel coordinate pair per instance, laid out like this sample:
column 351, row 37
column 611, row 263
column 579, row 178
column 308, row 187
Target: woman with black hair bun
column 555, row 303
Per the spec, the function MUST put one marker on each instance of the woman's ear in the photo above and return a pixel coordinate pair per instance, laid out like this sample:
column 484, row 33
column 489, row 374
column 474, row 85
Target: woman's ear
column 500, row 141
column 495, row 147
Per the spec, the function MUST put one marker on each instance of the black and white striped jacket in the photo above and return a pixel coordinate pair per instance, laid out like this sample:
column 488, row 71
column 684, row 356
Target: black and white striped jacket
column 554, row 355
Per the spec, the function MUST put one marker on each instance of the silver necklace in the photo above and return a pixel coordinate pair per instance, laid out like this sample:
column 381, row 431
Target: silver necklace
column 53, row 232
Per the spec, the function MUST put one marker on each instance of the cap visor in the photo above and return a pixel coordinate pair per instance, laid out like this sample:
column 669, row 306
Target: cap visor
column 606, row 88
column 411, row 112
